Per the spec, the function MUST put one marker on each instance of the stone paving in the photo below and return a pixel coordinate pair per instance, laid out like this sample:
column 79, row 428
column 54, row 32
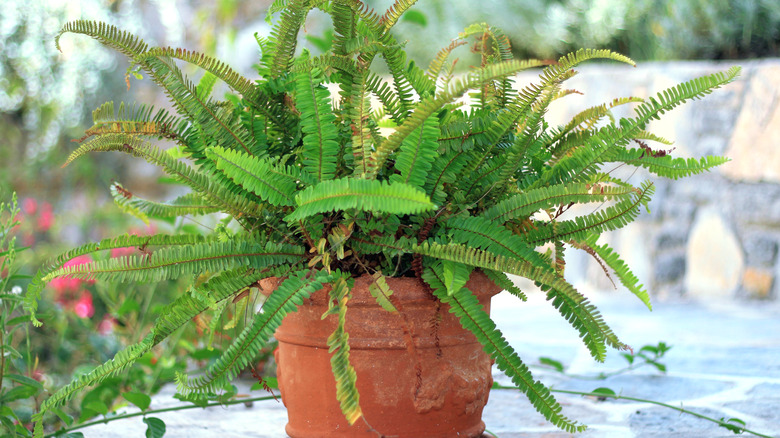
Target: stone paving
column 724, row 362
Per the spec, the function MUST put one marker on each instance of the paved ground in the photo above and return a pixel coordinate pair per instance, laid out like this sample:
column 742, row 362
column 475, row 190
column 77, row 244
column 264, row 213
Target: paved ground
column 724, row 362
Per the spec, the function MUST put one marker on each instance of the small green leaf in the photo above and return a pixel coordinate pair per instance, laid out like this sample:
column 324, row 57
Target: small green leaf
column 18, row 393
column 128, row 305
column 139, row 399
column 24, row 380
column 659, row 366
column 416, row 17
column 97, row 406
column 455, row 276
column 628, row 357
column 606, row 393
column 733, row 424
column 155, row 427
column 558, row 366
column 66, row 419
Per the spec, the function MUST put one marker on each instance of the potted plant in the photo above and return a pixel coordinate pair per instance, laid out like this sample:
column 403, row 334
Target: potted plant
column 360, row 238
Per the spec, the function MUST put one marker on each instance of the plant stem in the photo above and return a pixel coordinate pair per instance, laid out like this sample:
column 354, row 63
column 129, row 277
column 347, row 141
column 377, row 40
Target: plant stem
column 155, row 411
column 641, row 400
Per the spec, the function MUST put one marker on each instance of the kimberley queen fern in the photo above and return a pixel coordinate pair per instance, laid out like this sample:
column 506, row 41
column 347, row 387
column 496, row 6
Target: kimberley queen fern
column 320, row 195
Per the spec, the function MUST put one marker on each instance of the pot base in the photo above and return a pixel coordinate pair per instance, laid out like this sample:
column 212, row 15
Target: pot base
column 435, row 387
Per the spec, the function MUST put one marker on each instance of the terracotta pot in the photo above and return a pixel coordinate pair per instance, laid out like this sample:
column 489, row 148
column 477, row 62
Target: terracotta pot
column 433, row 386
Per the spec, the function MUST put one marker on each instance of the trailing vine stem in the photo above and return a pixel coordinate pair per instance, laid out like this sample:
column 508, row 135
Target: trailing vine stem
column 156, row 411
column 730, row 426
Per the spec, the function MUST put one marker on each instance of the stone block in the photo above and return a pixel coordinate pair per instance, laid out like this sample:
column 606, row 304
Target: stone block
column 669, row 268
column 714, row 257
column 757, row 282
column 760, row 248
column 753, row 144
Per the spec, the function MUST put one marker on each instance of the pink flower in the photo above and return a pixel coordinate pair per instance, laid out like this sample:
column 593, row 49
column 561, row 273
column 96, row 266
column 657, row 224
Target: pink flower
column 64, row 285
column 46, row 218
column 106, row 325
column 119, row 252
column 29, row 206
column 83, row 308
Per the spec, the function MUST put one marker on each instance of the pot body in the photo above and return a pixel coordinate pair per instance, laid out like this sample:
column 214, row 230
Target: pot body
column 419, row 373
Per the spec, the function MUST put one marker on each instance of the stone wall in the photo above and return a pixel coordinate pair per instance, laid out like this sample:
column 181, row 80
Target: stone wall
column 711, row 235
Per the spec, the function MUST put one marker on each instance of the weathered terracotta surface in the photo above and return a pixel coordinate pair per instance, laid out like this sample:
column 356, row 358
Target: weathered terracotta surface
column 435, row 388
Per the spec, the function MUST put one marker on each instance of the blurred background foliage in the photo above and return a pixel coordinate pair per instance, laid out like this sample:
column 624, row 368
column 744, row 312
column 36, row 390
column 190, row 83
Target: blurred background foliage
column 46, row 98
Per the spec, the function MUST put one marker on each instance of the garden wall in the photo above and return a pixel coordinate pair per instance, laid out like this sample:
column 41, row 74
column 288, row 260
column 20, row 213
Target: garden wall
column 711, row 235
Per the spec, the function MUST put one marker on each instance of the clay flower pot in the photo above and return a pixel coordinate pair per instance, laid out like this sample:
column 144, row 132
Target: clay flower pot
column 436, row 387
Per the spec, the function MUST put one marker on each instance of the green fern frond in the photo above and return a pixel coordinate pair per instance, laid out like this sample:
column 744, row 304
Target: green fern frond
column 445, row 170
column 505, row 283
column 571, row 60
column 190, row 204
column 621, row 270
column 320, row 146
column 257, row 175
column 108, row 35
column 172, row 317
column 611, row 218
column 431, row 104
column 217, row 68
column 575, row 308
column 380, row 290
column 284, row 36
column 667, row 166
column 360, row 194
column 136, row 120
column 211, row 189
column 114, row 366
column 212, row 120
column 394, row 13
column 359, row 115
column 37, row 283
column 529, row 202
column 175, row 262
column 338, row 347
column 478, row 232
column 416, row 155
column 644, row 135
column 474, row 319
column 437, row 64
column 285, row 299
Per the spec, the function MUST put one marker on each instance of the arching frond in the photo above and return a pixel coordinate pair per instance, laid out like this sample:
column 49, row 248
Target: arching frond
column 190, row 204
column 474, row 319
column 360, row 194
column 320, row 148
column 211, row 189
column 429, row 105
column 285, row 299
column 108, row 35
column 338, row 347
column 257, row 175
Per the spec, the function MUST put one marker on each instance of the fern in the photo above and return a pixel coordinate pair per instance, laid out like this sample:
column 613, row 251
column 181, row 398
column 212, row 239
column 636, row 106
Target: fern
column 338, row 347
column 621, row 270
column 360, row 194
column 429, row 105
column 210, row 189
column 285, row 299
column 182, row 206
column 527, row 203
column 174, row 262
column 320, row 148
column 258, row 176
column 474, row 319
column 417, row 153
